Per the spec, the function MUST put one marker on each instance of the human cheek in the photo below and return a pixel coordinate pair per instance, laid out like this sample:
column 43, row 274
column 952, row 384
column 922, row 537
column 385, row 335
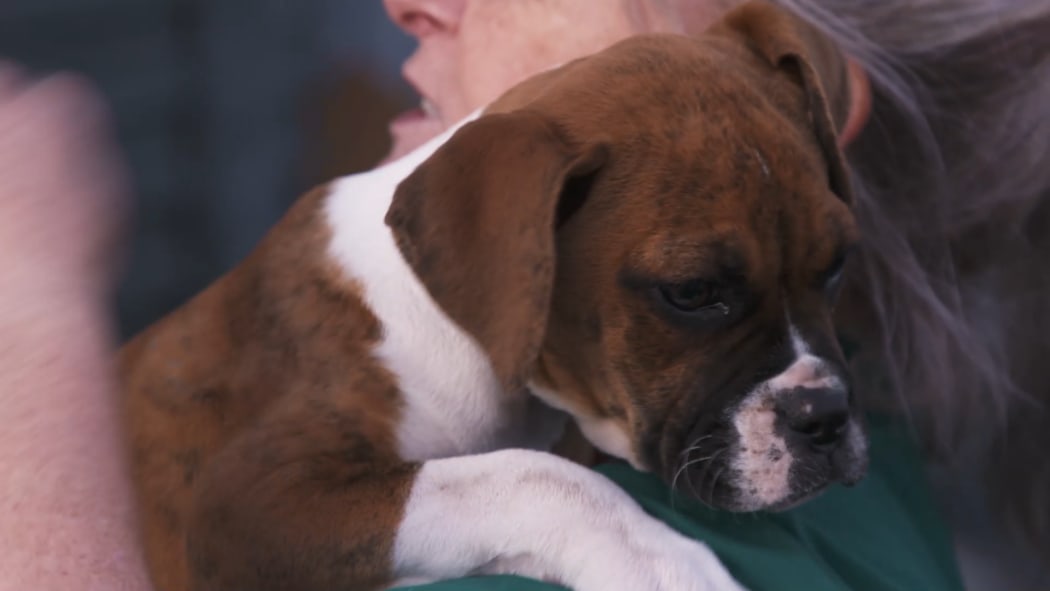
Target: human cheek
column 515, row 44
column 501, row 44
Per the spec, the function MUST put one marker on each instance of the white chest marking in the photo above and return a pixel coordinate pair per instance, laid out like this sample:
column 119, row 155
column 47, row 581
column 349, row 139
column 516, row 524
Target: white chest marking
column 608, row 435
column 453, row 403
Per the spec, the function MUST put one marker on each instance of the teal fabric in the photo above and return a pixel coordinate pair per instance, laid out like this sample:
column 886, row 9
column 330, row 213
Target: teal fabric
column 882, row 535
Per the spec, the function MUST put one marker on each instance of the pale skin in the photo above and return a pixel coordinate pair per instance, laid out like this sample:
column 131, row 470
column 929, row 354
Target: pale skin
column 66, row 509
column 471, row 51
column 65, row 512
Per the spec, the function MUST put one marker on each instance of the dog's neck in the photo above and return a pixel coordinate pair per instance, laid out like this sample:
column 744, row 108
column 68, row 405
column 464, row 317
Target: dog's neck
column 437, row 365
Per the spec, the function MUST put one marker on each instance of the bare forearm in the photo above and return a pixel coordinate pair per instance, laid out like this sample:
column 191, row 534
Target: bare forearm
column 66, row 512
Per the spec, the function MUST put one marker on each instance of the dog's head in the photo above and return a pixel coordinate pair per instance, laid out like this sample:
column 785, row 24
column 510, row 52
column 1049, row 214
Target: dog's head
column 651, row 239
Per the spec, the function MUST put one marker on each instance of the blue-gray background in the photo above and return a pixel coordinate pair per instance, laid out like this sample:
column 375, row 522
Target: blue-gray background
column 226, row 109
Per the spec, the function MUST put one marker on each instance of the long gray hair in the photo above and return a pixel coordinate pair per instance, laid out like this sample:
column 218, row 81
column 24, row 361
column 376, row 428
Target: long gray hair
column 952, row 180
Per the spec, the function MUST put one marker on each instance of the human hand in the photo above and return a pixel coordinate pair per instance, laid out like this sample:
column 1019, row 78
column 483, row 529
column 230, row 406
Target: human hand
column 63, row 190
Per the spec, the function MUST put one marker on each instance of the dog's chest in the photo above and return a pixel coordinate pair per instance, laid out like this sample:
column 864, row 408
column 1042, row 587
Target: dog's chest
column 453, row 403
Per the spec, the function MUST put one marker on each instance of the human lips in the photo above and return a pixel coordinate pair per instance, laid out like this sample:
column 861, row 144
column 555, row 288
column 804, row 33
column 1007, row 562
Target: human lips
column 414, row 127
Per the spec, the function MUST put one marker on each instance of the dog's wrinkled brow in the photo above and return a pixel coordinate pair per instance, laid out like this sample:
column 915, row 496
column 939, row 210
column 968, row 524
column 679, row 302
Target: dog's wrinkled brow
column 679, row 260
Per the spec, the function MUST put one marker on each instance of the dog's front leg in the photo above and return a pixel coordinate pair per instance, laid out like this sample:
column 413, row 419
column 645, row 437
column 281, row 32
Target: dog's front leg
column 316, row 505
column 533, row 514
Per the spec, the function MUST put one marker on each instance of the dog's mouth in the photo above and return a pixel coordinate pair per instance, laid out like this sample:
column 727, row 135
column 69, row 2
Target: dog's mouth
column 703, row 470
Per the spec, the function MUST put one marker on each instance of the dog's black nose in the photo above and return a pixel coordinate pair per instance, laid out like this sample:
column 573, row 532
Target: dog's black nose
column 820, row 415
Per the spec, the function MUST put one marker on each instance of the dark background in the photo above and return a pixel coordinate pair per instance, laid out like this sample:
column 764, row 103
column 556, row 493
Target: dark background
column 227, row 110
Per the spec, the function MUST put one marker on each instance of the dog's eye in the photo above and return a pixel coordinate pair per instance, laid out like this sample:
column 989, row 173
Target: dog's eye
column 831, row 279
column 694, row 297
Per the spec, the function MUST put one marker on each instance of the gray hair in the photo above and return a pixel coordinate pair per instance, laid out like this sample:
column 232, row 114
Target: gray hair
column 952, row 181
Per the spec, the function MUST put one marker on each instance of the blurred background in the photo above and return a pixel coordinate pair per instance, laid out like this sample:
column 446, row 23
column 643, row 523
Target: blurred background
column 227, row 110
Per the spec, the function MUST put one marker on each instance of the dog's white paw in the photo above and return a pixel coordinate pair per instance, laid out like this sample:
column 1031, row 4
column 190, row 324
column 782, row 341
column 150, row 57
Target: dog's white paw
column 535, row 515
column 654, row 558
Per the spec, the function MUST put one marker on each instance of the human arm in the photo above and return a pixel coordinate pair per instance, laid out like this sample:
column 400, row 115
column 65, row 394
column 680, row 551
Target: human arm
column 66, row 509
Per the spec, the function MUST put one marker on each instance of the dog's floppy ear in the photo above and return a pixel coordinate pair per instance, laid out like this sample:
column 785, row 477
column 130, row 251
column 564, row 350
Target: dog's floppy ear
column 787, row 42
column 476, row 222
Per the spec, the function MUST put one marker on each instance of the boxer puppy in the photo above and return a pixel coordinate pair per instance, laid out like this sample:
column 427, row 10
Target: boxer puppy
column 647, row 241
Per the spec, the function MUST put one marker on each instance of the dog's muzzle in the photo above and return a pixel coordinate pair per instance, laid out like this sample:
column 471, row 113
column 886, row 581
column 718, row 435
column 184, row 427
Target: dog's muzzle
column 788, row 439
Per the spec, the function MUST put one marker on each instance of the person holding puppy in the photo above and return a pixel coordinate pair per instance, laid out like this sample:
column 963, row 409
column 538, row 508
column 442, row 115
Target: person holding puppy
column 945, row 298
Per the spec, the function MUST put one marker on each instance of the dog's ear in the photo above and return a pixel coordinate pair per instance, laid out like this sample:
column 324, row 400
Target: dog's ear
column 815, row 62
column 476, row 222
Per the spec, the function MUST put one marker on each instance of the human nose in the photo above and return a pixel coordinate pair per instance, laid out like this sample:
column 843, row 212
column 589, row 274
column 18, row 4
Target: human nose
column 421, row 18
